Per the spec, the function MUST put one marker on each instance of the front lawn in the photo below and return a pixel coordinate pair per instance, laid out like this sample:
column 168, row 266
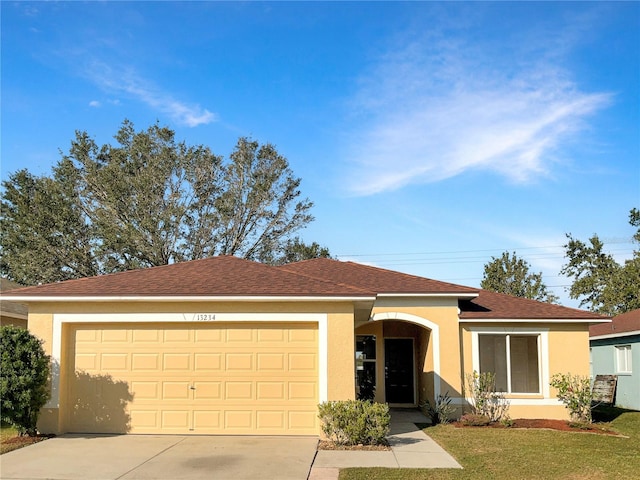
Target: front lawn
column 487, row 453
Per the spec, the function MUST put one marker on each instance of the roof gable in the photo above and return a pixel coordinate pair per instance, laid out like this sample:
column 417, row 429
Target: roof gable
column 375, row 279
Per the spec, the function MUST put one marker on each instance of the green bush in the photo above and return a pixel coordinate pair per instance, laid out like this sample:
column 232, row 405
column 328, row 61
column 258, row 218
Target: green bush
column 485, row 400
column 355, row 422
column 24, row 372
column 441, row 411
column 576, row 394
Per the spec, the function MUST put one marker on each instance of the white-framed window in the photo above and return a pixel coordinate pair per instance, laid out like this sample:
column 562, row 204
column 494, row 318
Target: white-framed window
column 623, row 358
column 518, row 357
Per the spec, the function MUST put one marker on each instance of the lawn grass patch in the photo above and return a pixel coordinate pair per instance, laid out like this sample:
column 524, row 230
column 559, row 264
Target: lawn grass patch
column 489, row 453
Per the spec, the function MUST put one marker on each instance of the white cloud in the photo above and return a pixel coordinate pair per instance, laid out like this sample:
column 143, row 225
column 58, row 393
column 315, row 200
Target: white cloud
column 128, row 82
column 436, row 108
column 94, row 104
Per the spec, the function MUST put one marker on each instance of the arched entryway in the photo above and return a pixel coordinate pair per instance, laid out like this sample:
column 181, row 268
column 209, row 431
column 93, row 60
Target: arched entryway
column 398, row 359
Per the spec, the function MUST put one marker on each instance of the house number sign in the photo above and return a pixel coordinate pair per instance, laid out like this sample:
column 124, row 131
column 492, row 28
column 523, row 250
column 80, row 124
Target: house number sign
column 204, row 317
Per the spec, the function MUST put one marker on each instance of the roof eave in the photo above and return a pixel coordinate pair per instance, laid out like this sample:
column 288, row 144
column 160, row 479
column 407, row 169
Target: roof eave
column 615, row 335
column 462, row 296
column 525, row 320
column 190, row 298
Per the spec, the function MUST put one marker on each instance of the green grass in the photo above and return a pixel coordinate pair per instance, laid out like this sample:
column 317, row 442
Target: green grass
column 487, row 453
column 6, row 433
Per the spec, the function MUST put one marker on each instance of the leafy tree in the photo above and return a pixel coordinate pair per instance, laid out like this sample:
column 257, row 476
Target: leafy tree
column 257, row 208
column 295, row 250
column 510, row 274
column 44, row 235
column 24, row 372
column 147, row 200
column 601, row 283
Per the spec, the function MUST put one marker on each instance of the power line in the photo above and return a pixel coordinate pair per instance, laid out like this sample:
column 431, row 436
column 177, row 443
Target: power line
column 605, row 241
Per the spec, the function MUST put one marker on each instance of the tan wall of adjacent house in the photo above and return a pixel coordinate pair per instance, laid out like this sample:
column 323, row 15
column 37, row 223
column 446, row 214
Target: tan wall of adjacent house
column 10, row 320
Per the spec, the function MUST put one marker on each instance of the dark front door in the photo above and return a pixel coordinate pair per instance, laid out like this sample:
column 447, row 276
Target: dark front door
column 398, row 370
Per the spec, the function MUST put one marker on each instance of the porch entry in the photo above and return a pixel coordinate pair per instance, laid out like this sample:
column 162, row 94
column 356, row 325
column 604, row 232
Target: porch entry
column 398, row 370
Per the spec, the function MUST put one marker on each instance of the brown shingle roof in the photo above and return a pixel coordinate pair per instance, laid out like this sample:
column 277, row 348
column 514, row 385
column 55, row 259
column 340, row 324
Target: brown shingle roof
column 374, row 279
column 626, row 322
column 490, row 305
column 228, row 276
column 216, row 276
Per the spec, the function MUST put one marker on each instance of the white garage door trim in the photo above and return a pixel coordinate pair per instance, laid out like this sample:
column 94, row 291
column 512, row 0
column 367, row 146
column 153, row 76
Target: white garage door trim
column 205, row 318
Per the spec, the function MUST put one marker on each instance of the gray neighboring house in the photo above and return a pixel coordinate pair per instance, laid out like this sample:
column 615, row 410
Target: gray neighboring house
column 615, row 350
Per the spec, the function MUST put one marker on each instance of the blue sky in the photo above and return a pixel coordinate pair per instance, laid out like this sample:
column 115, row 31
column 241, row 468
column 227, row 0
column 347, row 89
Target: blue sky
column 430, row 136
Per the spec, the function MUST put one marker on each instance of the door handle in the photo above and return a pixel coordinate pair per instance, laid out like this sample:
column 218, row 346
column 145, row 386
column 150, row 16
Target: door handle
column 191, row 387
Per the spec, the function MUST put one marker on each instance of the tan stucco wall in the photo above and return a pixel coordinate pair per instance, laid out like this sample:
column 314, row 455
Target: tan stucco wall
column 568, row 353
column 340, row 357
column 340, row 336
column 443, row 313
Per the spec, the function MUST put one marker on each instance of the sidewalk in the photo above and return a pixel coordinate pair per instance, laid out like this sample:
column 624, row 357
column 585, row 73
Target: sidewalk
column 410, row 448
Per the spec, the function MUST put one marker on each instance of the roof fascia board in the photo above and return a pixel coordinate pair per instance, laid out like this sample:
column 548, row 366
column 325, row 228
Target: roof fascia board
column 430, row 295
column 187, row 298
column 615, row 335
column 529, row 320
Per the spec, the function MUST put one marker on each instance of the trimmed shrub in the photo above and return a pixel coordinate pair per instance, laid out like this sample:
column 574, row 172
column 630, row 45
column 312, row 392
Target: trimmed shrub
column 24, row 374
column 355, row 422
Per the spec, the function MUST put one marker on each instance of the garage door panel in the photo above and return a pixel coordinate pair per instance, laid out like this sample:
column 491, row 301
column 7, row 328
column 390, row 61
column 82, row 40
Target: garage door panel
column 208, row 362
column 302, row 362
column 115, row 336
column 144, row 390
column 114, row 362
column 193, row 378
column 270, row 361
column 205, row 391
column 177, row 335
column 144, row 420
column 176, row 419
column 145, row 336
column 206, row 420
column 145, row 361
column 177, row 361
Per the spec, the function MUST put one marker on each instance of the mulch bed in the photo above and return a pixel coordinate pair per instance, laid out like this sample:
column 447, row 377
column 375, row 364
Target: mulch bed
column 326, row 445
column 561, row 425
column 17, row 442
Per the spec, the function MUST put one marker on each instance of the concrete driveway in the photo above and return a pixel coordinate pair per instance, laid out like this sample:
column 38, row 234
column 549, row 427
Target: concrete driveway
column 161, row 457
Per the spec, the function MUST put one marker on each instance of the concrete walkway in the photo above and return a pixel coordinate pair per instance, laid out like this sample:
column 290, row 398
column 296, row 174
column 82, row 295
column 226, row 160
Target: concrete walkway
column 410, row 448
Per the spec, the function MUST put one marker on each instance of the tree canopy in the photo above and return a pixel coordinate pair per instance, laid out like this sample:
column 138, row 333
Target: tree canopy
column 149, row 200
column 511, row 275
column 602, row 284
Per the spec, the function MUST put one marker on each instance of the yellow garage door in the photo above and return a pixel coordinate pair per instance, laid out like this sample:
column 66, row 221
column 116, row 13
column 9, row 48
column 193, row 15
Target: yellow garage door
column 235, row 378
